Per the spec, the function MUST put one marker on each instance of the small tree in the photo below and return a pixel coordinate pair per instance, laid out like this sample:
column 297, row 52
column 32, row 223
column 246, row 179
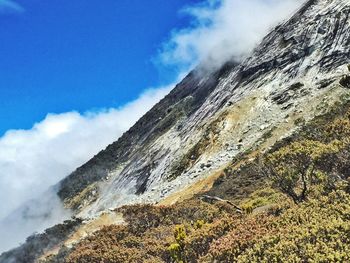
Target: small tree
column 293, row 167
column 176, row 250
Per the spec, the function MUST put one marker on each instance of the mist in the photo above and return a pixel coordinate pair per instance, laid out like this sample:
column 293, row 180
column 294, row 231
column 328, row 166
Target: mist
column 33, row 160
column 35, row 215
column 223, row 30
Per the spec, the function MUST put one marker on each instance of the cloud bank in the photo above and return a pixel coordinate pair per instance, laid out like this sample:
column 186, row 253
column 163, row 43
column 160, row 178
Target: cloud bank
column 32, row 160
column 222, row 30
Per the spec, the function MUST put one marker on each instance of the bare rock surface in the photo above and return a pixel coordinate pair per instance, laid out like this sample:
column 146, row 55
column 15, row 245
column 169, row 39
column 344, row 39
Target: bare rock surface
column 291, row 74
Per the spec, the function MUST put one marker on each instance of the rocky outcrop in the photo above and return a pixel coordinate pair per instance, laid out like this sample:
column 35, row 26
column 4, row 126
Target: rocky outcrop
column 183, row 101
column 292, row 70
column 295, row 68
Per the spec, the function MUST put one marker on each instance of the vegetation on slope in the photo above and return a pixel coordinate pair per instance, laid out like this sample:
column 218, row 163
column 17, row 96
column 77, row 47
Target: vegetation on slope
column 311, row 225
column 38, row 244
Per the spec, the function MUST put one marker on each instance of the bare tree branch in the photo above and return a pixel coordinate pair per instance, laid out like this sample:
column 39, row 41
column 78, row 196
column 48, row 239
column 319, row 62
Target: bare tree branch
column 215, row 198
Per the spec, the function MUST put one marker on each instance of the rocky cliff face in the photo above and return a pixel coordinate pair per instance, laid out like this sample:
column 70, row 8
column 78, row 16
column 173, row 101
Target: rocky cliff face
column 136, row 146
column 297, row 72
column 210, row 118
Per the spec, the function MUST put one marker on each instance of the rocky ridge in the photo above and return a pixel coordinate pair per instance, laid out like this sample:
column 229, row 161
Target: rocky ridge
column 211, row 118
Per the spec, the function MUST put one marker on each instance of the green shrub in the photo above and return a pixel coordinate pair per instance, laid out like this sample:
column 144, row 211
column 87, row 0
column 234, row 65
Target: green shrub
column 315, row 231
column 199, row 224
column 259, row 198
column 175, row 252
column 293, row 167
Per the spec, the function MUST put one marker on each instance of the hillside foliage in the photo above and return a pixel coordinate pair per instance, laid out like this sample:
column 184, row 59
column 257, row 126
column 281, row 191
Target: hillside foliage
column 302, row 214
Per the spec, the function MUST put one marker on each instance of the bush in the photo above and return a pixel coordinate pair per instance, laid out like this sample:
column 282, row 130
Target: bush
column 293, row 167
column 316, row 231
column 259, row 198
column 245, row 233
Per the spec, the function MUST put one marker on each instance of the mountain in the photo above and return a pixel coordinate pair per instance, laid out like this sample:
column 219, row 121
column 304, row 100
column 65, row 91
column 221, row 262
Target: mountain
column 194, row 142
column 209, row 118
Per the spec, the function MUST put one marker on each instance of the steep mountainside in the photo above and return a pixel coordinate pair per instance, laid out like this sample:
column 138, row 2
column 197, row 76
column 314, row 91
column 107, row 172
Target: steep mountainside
column 210, row 118
column 204, row 137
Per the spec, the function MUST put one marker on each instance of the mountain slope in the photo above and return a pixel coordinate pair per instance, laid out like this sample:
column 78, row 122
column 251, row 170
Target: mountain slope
column 212, row 122
column 185, row 99
column 209, row 118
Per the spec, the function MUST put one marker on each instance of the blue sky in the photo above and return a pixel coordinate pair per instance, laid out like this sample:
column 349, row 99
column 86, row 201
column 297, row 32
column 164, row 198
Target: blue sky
column 63, row 55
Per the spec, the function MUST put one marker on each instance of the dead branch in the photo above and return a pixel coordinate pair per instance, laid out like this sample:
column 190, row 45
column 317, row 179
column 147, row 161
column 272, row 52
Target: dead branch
column 215, row 198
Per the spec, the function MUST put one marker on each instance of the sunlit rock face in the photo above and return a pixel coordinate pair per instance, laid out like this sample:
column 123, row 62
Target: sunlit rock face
column 210, row 117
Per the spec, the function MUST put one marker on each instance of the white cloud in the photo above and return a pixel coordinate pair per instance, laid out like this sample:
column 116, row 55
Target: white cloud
column 223, row 29
column 10, row 6
column 32, row 160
